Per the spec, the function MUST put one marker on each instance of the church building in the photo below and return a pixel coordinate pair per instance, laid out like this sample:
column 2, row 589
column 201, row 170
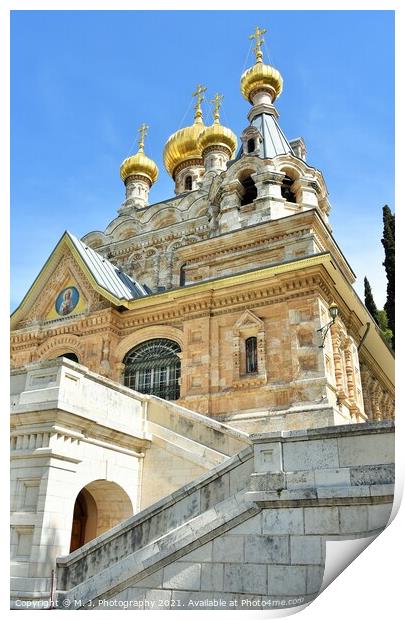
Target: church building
column 166, row 370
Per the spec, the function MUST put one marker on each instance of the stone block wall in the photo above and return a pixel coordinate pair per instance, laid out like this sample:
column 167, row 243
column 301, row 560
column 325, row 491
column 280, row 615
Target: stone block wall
column 257, row 531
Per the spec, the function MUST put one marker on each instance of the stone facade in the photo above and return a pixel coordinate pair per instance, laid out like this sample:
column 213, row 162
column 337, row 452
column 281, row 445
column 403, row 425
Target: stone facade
column 281, row 295
column 255, row 531
column 278, row 433
column 73, row 430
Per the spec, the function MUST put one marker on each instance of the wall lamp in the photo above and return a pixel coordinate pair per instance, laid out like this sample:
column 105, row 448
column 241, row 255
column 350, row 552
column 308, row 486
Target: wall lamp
column 333, row 311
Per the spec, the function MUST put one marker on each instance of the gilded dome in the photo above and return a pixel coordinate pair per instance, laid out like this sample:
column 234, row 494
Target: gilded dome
column 218, row 135
column 183, row 145
column 258, row 76
column 139, row 164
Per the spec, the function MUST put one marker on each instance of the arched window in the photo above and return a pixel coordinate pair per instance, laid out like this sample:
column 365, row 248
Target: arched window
column 251, row 354
column 153, row 367
column 286, row 190
column 69, row 356
column 250, row 145
column 182, row 275
column 250, row 191
column 188, row 183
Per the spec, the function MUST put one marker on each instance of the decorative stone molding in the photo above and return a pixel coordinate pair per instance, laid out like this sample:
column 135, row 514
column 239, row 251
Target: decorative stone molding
column 248, row 325
column 147, row 333
column 378, row 402
column 56, row 345
column 252, row 134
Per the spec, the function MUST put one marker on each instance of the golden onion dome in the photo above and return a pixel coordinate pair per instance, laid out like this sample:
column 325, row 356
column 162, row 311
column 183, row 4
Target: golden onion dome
column 216, row 134
column 183, row 144
column 260, row 76
column 140, row 164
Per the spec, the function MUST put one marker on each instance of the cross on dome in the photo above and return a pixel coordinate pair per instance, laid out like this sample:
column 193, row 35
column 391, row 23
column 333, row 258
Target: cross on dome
column 217, row 102
column 199, row 94
column 259, row 42
column 143, row 131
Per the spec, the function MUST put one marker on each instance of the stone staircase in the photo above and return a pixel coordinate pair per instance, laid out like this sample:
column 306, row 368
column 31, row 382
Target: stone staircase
column 249, row 533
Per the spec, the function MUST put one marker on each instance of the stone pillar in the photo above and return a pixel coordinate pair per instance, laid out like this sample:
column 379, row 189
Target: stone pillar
column 349, row 370
column 305, row 192
column 230, row 205
column 376, row 394
column 336, row 344
column 213, row 221
column 365, row 381
column 105, row 368
column 268, row 184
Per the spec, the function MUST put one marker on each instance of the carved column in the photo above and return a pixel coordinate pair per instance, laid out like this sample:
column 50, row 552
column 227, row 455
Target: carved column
column 366, row 381
column 230, row 204
column 105, row 368
column 213, row 220
column 268, row 184
column 261, row 353
column 156, row 268
column 349, row 369
column 376, row 394
column 305, row 191
column 336, row 344
column 236, row 357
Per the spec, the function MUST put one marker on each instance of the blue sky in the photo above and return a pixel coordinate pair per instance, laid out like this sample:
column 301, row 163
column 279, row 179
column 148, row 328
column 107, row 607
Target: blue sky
column 83, row 81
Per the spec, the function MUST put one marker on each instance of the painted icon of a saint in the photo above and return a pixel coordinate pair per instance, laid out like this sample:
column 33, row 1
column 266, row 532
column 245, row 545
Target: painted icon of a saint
column 67, row 301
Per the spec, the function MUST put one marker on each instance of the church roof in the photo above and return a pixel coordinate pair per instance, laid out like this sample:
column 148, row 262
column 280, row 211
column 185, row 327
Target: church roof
column 274, row 141
column 107, row 275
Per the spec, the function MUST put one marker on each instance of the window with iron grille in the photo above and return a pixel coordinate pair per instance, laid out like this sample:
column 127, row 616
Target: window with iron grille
column 251, row 354
column 154, row 367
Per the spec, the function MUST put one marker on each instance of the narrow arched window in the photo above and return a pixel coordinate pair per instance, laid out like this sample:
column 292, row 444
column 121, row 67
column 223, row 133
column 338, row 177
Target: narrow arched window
column 251, row 354
column 286, row 190
column 182, row 275
column 249, row 191
column 250, row 145
column 188, row 183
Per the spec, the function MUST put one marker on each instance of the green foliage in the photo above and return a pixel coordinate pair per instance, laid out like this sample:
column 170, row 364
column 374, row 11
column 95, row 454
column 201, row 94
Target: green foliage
column 385, row 330
column 369, row 301
column 388, row 242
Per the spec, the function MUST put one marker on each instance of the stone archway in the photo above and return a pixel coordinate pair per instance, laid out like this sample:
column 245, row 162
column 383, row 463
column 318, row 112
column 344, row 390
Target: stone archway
column 58, row 345
column 99, row 506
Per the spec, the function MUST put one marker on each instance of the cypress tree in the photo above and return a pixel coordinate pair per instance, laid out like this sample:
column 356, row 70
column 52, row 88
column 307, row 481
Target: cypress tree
column 388, row 242
column 369, row 302
column 385, row 330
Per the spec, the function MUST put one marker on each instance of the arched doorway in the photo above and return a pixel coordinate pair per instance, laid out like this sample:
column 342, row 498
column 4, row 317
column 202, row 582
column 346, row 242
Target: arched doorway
column 153, row 367
column 99, row 506
column 79, row 523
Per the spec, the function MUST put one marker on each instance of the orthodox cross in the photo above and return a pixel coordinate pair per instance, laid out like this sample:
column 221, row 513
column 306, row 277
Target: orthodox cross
column 143, row 130
column 217, row 101
column 259, row 42
column 199, row 94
